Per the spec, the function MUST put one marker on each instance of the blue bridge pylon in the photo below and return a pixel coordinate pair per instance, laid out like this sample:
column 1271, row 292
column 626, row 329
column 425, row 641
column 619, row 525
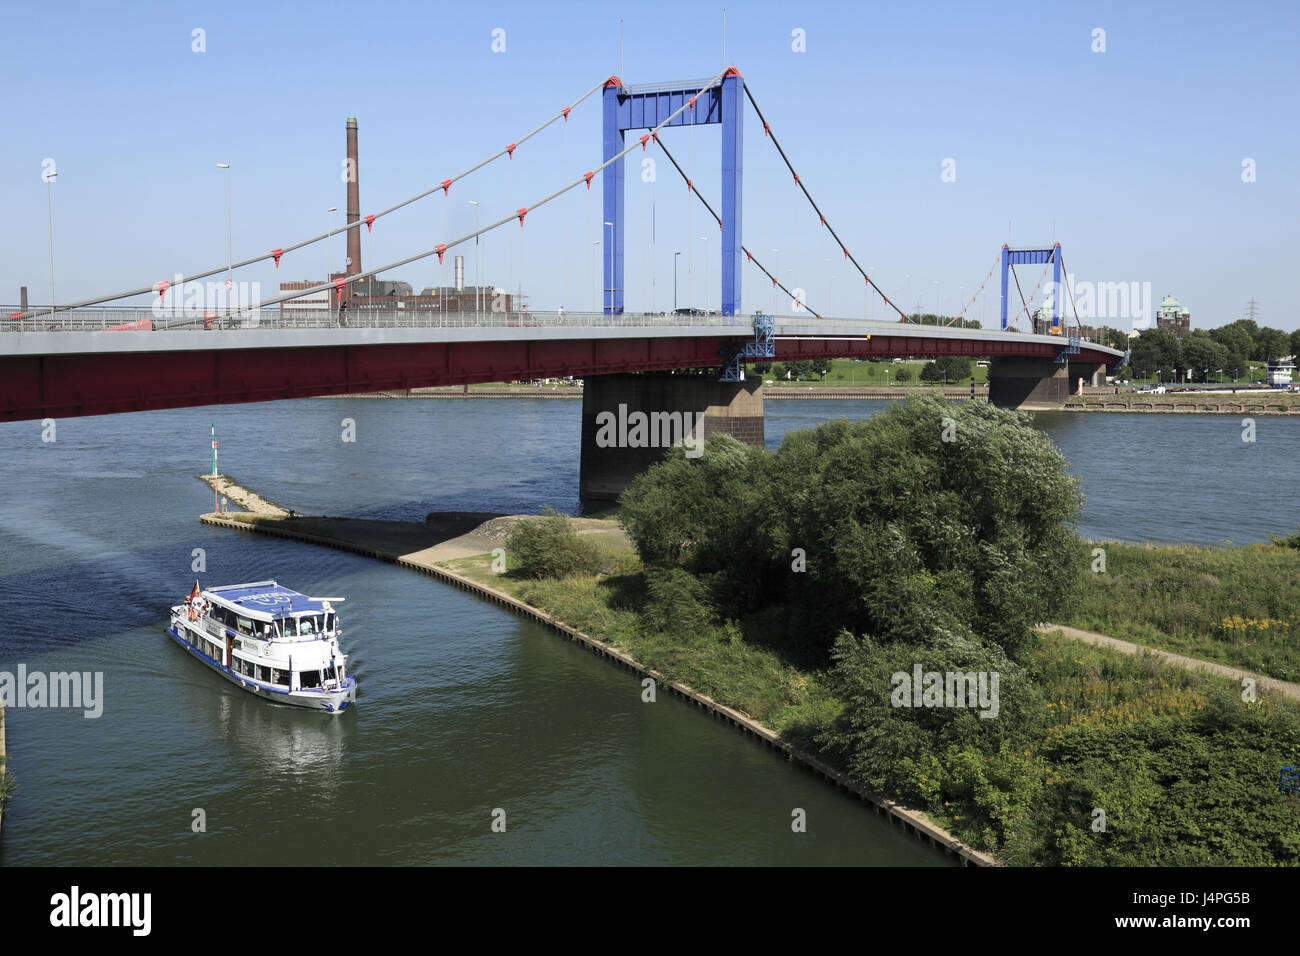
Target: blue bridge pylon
column 645, row 107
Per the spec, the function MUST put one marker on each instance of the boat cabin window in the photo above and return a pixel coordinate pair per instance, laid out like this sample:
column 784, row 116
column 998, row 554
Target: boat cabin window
column 329, row 621
column 245, row 625
column 309, row 679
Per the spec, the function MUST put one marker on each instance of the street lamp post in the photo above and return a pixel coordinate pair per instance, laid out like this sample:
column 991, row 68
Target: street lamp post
column 611, row 267
column 478, row 260
column 329, row 242
column 49, row 212
column 777, row 266
column 230, row 282
column 706, row 275
column 675, row 255
column 589, row 282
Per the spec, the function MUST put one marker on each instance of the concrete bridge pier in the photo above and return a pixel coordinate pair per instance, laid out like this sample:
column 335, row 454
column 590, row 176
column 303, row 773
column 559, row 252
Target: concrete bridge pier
column 1039, row 384
column 1028, row 383
column 629, row 421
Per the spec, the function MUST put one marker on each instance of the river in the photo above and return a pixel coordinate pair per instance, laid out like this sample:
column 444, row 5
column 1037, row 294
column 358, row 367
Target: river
column 463, row 708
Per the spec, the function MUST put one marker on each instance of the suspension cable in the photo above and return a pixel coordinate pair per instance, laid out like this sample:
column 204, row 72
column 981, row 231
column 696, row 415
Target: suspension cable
column 718, row 219
column 368, row 220
column 767, row 131
column 957, row 318
column 440, row 249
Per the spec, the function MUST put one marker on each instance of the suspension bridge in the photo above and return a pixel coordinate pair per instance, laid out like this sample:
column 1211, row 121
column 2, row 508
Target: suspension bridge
column 109, row 353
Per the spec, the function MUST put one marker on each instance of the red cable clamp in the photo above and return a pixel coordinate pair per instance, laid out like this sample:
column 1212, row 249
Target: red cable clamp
column 338, row 287
column 748, row 257
column 511, row 149
column 440, row 248
column 446, row 186
column 276, row 254
column 162, row 288
column 767, row 130
column 655, row 137
column 719, row 224
column 691, row 101
column 846, row 252
column 773, row 282
column 796, row 179
column 587, row 177
column 688, row 186
column 522, row 212
column 823, row 219
column 644, row 139
column 565, row 111
column 370, row 222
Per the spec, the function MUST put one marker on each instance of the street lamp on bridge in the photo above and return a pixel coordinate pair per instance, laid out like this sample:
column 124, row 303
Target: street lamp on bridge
column 675, row 255
column 478, row 270
column 705, row 239
column 230, row 282
column 49, row 212
column 610, row 290
column 329, row 243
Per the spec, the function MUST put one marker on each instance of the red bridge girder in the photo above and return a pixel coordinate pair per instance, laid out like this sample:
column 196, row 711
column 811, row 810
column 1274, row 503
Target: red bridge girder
column 63, row 386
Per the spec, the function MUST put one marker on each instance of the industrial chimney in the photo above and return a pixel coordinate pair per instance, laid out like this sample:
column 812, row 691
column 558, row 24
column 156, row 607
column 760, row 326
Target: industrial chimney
column 354, row 201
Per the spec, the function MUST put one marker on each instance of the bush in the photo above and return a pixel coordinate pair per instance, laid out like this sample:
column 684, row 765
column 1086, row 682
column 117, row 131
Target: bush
column 549, row 547
column 904, row 373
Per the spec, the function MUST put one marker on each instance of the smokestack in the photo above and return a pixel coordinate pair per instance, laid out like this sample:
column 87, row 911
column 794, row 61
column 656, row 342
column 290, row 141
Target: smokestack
column 22, row 296
column 354, row 201
column 460, row 273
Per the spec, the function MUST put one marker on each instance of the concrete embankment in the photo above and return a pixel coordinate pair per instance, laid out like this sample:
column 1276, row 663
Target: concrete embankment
column 3, row 753
column 775, row 393
column 390, row 541
column 1241, row 403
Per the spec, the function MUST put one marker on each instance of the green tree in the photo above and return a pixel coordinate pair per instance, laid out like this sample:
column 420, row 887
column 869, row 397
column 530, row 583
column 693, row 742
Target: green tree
column 1238, row 341
column 549, row 547
column 904, row 373
column 1295, row 342
column 1157, row 349
column 1201, row 352
column 1271, row 344
column 931, row 372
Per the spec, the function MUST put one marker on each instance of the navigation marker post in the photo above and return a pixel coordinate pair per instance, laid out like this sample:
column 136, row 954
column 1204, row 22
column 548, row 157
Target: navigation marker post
column 216, row 504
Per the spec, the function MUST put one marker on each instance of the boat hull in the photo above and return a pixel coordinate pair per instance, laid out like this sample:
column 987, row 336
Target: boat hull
column 327, row 700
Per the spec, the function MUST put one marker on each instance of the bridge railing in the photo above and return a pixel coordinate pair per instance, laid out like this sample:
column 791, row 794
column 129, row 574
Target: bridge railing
column 147, row 319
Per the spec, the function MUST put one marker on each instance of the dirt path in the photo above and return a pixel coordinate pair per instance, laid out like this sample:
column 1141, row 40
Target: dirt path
column 1177, row 660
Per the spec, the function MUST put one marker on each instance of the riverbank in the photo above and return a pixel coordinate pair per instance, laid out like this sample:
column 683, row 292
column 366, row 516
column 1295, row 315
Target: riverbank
column 1240, row 403
column 770, row 393
column 1154, row 714
column 431, row 549
column 5, row 782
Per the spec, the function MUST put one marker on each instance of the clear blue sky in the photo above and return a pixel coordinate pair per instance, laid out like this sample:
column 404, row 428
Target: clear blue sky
column 1131, row 158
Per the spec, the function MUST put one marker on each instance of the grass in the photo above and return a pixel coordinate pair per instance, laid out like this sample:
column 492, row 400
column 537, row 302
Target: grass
column 7, row 785
column 869, row 373
column 1186, row 771
column 1234, row 605
column 716, row 661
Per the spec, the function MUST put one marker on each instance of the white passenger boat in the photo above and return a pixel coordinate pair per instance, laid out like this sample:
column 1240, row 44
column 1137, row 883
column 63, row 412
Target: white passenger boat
column 271, row 641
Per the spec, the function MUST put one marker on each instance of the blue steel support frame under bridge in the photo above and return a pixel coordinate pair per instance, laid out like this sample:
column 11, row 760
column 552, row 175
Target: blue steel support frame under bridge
column 1017, row 257
column 626, row 108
